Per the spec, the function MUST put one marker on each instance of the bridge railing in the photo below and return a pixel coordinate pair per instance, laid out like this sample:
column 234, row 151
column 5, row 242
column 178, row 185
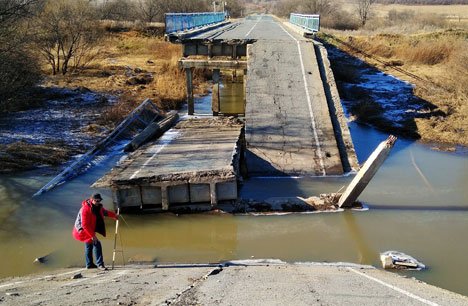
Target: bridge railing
column 309, row 22
column 185, row 21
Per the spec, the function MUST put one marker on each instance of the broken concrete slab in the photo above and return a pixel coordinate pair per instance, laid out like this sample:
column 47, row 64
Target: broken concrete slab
column 197, row 161
column 367, row 172
column 153, row 130
column 400, row 260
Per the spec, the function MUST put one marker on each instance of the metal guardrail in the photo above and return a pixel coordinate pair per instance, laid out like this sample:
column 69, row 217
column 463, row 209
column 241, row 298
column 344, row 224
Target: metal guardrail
column 185, row 21
column 309, row 22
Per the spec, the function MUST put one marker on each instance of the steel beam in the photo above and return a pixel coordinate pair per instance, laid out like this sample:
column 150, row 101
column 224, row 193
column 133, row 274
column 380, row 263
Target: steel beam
column 212, row 64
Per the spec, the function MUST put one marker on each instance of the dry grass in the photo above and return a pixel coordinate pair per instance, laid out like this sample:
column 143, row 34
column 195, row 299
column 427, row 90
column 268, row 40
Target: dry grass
column 427, row 52
column 22, row 155
column 437, row 63
column 126, row 54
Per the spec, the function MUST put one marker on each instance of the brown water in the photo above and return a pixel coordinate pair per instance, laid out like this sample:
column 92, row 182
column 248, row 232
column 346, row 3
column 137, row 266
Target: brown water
column 231, row 97
column 426, row 217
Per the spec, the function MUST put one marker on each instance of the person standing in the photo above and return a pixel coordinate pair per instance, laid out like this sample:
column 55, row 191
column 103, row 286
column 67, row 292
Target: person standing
column 90, row 220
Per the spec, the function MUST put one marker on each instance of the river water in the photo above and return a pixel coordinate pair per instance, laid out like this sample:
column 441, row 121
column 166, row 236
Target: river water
column 418, row 204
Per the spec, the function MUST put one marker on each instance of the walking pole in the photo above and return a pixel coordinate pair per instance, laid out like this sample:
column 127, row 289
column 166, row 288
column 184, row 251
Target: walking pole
column 115, row 237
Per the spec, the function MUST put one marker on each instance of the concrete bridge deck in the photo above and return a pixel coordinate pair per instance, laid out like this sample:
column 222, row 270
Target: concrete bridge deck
column 197, row 161
column 289, row 124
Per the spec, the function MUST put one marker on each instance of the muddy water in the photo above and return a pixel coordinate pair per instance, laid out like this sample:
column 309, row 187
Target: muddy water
column 418, row 204
column 231, row 103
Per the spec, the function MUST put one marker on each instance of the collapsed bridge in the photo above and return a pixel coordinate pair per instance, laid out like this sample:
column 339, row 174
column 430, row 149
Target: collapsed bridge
column 294, row 122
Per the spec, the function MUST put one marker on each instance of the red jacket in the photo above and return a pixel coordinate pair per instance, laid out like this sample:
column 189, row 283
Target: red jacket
column 85, row 224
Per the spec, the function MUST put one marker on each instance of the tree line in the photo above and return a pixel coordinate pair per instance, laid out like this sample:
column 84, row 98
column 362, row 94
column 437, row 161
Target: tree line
column 423, row 2
column 331, row 15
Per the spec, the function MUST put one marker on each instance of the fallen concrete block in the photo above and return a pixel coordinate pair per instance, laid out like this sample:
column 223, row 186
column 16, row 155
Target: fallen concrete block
column 399, row 260
column 367, row 172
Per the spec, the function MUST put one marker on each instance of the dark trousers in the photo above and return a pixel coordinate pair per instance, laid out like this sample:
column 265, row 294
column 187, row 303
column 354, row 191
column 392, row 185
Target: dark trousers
column 89, row 247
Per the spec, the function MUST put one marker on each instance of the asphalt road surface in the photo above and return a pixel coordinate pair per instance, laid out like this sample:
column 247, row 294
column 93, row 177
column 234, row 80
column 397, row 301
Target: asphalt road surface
column 288, row 126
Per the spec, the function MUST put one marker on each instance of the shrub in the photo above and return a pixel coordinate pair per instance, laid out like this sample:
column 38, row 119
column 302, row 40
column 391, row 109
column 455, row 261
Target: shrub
column 18, row 73
column 340, row 20
column 397, row 16
column 428, row 52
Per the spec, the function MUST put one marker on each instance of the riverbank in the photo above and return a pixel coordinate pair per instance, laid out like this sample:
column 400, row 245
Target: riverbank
column 426, row 94
column 250, row 282
column 68, row 114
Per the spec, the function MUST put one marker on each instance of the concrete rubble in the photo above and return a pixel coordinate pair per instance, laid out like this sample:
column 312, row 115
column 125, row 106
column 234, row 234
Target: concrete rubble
column 399, row 260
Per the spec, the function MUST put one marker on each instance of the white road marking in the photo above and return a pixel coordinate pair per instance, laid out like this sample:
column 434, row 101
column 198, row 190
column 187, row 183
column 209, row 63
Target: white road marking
column 426, row 181
column 253, row 26
column 317, row 142
column 395, row 288
column 40, row 278
column 164, row 141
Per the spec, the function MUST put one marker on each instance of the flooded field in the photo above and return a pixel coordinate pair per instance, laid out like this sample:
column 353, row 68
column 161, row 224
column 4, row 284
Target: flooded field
column 418, row 204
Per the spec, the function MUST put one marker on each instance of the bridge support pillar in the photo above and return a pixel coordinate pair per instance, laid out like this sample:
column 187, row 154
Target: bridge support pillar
column 215, row 102
column 190, row 102
column 213, row 195
column 164, row 197
column 244, row 79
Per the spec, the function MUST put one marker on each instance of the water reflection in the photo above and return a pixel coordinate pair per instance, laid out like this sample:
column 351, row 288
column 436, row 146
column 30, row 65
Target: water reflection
column 365, row 253
column 170, row 238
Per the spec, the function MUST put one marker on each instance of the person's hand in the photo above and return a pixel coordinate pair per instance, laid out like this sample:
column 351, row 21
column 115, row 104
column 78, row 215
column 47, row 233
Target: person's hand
column 95, row 239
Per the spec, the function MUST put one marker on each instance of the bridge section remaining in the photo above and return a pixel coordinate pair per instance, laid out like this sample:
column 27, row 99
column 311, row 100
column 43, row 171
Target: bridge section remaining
column 291, row 109
column 196, row 162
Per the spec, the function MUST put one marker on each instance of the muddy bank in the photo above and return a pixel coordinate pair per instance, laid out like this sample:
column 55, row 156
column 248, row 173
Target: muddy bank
column 67, row 122
column 427, row 97
column 376, row 98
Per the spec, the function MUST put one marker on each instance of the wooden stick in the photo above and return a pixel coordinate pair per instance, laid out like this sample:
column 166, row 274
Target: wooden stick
column 115, row 237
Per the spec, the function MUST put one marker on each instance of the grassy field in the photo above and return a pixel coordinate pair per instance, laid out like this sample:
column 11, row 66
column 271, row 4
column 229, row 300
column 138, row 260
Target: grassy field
column 451, row 11
column 134, row 66
column 455, row 15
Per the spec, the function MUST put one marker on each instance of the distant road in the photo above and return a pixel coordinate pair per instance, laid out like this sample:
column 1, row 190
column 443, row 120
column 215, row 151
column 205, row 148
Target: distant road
column 288, row 126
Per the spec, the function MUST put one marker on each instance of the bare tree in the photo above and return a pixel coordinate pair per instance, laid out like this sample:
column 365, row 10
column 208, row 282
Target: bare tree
column 117, row 10
column 234, row 7
column 67, row 31
column 18, row 68
column 322, row 7
column 363, row 8
column 184, row 6
column 13, row 13
column 151, row 10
